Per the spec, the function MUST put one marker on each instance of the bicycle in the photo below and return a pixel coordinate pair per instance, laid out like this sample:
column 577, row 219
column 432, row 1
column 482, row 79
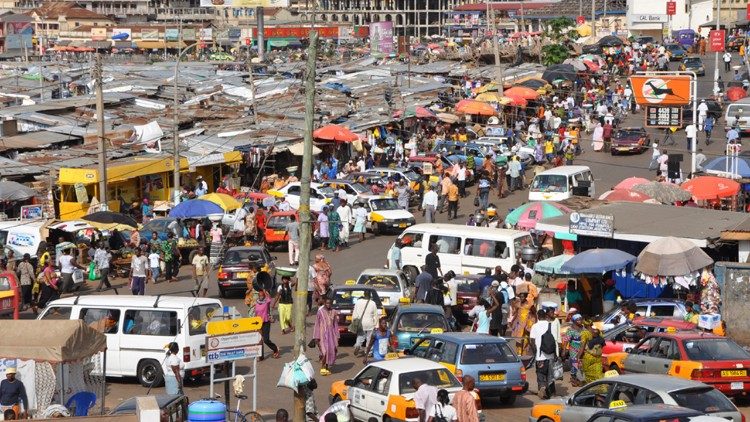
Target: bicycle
column 251, row 416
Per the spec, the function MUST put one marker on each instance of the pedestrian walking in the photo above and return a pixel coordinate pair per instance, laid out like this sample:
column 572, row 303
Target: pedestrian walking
column 67, row 266
column 154, row 263
column 200, row 271
column 360, row 221
column 708, row 127
column 364, row 320
column 138, row 273
column 49, row 286
column 26, row 277
column 394, row 255
column 429, row 204
column 323, row 274
column 323, row 232
column 292, row 230
column 691, row 131
column 727, row 61
column 263, row 311
column 345, row 215
column 379, row 342
column 284, row 301
column 514, row 171
column 326, row 335
column 425, row 398
column 465, row 402
column 102, row 258
column 545, row 346
column 453, row 195
column 483, row 190
column 461, row 174
column 334, row 227
column 443, row 411
column 571, row 346
column 171, row 258
column 172, row 368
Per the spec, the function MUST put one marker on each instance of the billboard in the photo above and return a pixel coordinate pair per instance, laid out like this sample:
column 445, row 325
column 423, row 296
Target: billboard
column 18, row 41
column 149, row 34
column 662, row 90
column 188, row 34
column 98, row 34
column 716, row 40
column 172, row 34
column 244, row 3
column 122, row 34
column 381, row 38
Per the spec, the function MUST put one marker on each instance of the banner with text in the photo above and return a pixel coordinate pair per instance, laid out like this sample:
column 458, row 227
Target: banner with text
column 244, row 3
column 381, row 38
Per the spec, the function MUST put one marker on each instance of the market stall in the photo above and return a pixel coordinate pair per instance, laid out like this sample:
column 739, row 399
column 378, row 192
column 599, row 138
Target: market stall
column 61, row 359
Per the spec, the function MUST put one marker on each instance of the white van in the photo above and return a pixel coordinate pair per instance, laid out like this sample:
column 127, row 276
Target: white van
column 139, row 327
column 561, row 183
column 461, row 249
column 23, row 236
column 741, row 109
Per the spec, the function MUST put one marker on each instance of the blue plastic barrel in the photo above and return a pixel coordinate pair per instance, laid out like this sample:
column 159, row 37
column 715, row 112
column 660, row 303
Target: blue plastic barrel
column 207, row 411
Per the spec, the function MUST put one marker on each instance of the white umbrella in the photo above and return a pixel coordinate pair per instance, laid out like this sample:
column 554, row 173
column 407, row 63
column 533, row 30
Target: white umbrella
column 671, row 256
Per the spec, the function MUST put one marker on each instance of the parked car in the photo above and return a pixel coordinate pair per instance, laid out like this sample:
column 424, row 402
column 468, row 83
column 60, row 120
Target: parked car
column 459, row 151
column 676, row 51
column 384, row 215
column 651, row 413
column 626, row 336
column 669, row 308
column 491, row 361
column 275, row 233
column 352, row 188
column 643, row 40
column 391, row 285
column 694, row 64
column 636, row 389
column 411, row 322
column 708, row 358
column 235, row 265
column 344, row 298
column 320, row 195
column 630, row 139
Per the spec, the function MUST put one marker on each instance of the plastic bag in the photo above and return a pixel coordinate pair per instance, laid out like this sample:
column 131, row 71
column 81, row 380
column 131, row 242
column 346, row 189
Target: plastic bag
column 558, row 370
column 93, row 276
column 306, row 368
column 287, row 377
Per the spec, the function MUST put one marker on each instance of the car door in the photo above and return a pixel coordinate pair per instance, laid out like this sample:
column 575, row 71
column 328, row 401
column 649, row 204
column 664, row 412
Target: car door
column 660, row 358
column 376, row 398
column 293, row 194
column 587, row 401
column 638, row 358
column 357, row 393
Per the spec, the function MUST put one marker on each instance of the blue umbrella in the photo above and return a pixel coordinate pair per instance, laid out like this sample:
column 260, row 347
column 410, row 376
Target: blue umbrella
column 195, row 208
column 596, row 261
column 740, row 166
column 552, row 265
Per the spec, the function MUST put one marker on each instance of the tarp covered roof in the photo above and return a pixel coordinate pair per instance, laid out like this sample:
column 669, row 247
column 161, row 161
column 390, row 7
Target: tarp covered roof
column 53, row 341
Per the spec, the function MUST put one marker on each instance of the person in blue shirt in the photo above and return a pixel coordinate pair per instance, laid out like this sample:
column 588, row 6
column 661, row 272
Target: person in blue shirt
column 380, row 341
column 484, row 316
column 610, row 295
column 486, row 281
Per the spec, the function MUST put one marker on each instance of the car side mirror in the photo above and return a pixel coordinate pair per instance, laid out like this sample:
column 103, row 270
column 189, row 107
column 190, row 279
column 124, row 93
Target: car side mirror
column 628, row 349
column 570, row 401
column 349, row 383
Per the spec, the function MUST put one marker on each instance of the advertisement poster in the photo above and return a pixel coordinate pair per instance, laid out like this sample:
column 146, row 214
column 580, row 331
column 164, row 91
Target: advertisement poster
column 149, row 34
column 381, row 38
column 716, row 40
column 244, row 3
column 121, row 34
column 98, row 34
column 31, row 212
column 188, row 34
column 172, row 34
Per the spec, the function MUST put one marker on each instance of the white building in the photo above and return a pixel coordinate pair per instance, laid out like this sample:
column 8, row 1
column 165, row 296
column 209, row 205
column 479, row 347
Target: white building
column 649, row 17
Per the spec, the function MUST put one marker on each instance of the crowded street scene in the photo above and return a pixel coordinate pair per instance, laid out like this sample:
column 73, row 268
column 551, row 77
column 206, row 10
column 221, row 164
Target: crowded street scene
column 273, row 211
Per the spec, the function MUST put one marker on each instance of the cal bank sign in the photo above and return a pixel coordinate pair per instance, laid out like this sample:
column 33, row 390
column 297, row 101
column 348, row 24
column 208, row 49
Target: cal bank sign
column 649, row 18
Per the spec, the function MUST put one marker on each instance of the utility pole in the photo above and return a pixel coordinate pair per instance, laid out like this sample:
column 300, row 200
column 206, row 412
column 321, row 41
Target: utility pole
column 100, row 132
column 593, row 18
column 496, row 49
column 305, row 229
column 716, row 54
column 251, row 81
column 176, row 124
column 580, row 7
column 261, row 25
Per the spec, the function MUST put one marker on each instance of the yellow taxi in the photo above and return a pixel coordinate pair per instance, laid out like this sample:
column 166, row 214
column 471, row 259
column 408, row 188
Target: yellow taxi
column 383, row 390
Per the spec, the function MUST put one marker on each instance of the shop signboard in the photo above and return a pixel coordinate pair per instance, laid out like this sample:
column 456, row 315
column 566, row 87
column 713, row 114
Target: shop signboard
column 716, row 40
column 671, row 8
column 149, row 34
column 122, row 34
column 381, row 38
column 206, row 34
column 596, row 225
column 662, row 90
column 98, row 34
column 188, row 34
column 172, row 34
column 663, row 117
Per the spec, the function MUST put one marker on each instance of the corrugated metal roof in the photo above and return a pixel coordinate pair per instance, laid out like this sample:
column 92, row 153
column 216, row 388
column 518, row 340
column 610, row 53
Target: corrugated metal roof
column 33, row 140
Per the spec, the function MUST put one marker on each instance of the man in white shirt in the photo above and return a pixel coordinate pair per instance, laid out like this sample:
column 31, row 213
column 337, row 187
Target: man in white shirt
column 366, row 311
column 727, row 61
column 284, row 205
column 425, row 398
column 655, row 154
column 702, row 113
column 429, row 204
column 361, row 164
column 544, row 361
column 663, row 159
column 461, row 179
column 345, row 214
column 700, row 158
column 691, row 131
column 201, row 187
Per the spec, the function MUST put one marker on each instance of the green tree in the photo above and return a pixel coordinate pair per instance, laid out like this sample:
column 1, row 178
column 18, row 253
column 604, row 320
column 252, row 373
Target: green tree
column 556, row 28
column 554, row 54
column 560, row 31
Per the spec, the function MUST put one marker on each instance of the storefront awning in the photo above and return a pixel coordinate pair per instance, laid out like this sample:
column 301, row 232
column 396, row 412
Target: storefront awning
column 99, row 45
column 176, row 44
column 150, row 45
column 123, row 44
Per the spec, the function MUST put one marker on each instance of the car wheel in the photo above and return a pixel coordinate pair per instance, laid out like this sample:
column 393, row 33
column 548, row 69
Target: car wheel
column 508, row 400
column 149, row 373
column 544, row 419
column 386, row 419
column 379, row 229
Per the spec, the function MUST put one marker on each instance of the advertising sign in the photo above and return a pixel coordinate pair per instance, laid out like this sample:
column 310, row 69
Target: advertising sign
column 149, row 34
column 232, row 326
column 18, row 41
column 172, row 34
column 31, row 212
column 223, row 355
column 346, row 33
column 244, row 3
column 747, row 14
column 667, row 90
column 580, row 20
column 663, row 116
column 98, row 34
column 188, row 34
column 671, row 8
column 381, row 38
column 234, row 34
column 716, row 40
column 233, row 341
column 121, row 34
column 648, row 18
column 597, row 225
column 81, row 195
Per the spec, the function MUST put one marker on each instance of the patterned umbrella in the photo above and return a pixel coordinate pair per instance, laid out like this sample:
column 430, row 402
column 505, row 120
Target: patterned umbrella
column 527, row 215
column 666, row 193
column 223, row 200
column 630, row 182
column 671, row 256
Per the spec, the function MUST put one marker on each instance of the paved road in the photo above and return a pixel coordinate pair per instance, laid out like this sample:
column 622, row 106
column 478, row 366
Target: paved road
column 348, row 263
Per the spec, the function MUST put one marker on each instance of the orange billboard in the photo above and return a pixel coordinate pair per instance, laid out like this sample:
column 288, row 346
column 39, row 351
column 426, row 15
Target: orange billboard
column 661, row 90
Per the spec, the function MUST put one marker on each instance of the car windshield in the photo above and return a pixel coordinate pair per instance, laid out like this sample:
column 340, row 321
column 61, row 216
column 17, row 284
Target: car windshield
column 382, row 282
column 278, row 221
column 674, row 47
column 487, row 353
column 420, row 322
column 348, row 297
column 703, row 399
column 242, row 256
column 439, row 378
column 715, row 349
column 325, row 191
column 549, row 183
column 468, row 286
column 358, row 187
column 384, row 204
column 629, row 133
column 692, row 61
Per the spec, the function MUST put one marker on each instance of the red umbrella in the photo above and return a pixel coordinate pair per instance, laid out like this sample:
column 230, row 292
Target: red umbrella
column 624, row 195
column 522, row 91
column 335, row 133
column 736, row 93
column 711, row 187
column 475, row 107
column 517, row 100
column 593, row 66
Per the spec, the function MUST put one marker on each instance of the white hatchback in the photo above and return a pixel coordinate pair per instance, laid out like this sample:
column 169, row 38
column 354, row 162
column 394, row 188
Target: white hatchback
column 391, row 285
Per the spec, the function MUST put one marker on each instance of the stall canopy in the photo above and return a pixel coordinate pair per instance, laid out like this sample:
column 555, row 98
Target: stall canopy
column 14, row 191
column 670, row 256
column 54, row 341
column 595, row 261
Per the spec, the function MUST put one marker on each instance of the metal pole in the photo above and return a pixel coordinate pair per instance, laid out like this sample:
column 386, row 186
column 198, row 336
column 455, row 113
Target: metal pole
column 580, row 7
column 694, row 144
column 260, row 19
column 716, row 54
column 305, row 231
column 176, row 126
column 496, row 50
column 100, row 132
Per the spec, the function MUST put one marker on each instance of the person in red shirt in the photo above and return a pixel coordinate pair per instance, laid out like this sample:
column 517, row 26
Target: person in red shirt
column 607, row 136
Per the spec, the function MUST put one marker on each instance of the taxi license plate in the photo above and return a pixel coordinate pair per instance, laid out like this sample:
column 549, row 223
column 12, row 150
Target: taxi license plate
column 491, row 377
column 737, row 385
column 348, row 318
column 402, row 225
column 241, row 275
column 735, row 373
column 279, row 232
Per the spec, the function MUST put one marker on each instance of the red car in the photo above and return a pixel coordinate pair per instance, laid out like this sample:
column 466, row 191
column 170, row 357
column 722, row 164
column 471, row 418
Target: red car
column 707, row 358
column 626, row 336
column 275, row 232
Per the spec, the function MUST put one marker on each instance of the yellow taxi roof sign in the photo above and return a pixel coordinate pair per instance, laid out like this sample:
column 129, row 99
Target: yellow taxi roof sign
column 350, row 282
column 671, row 329
column 391, row 356
column 404, row 300
column 436, row 331
column 611, row 373
column 617, row 404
